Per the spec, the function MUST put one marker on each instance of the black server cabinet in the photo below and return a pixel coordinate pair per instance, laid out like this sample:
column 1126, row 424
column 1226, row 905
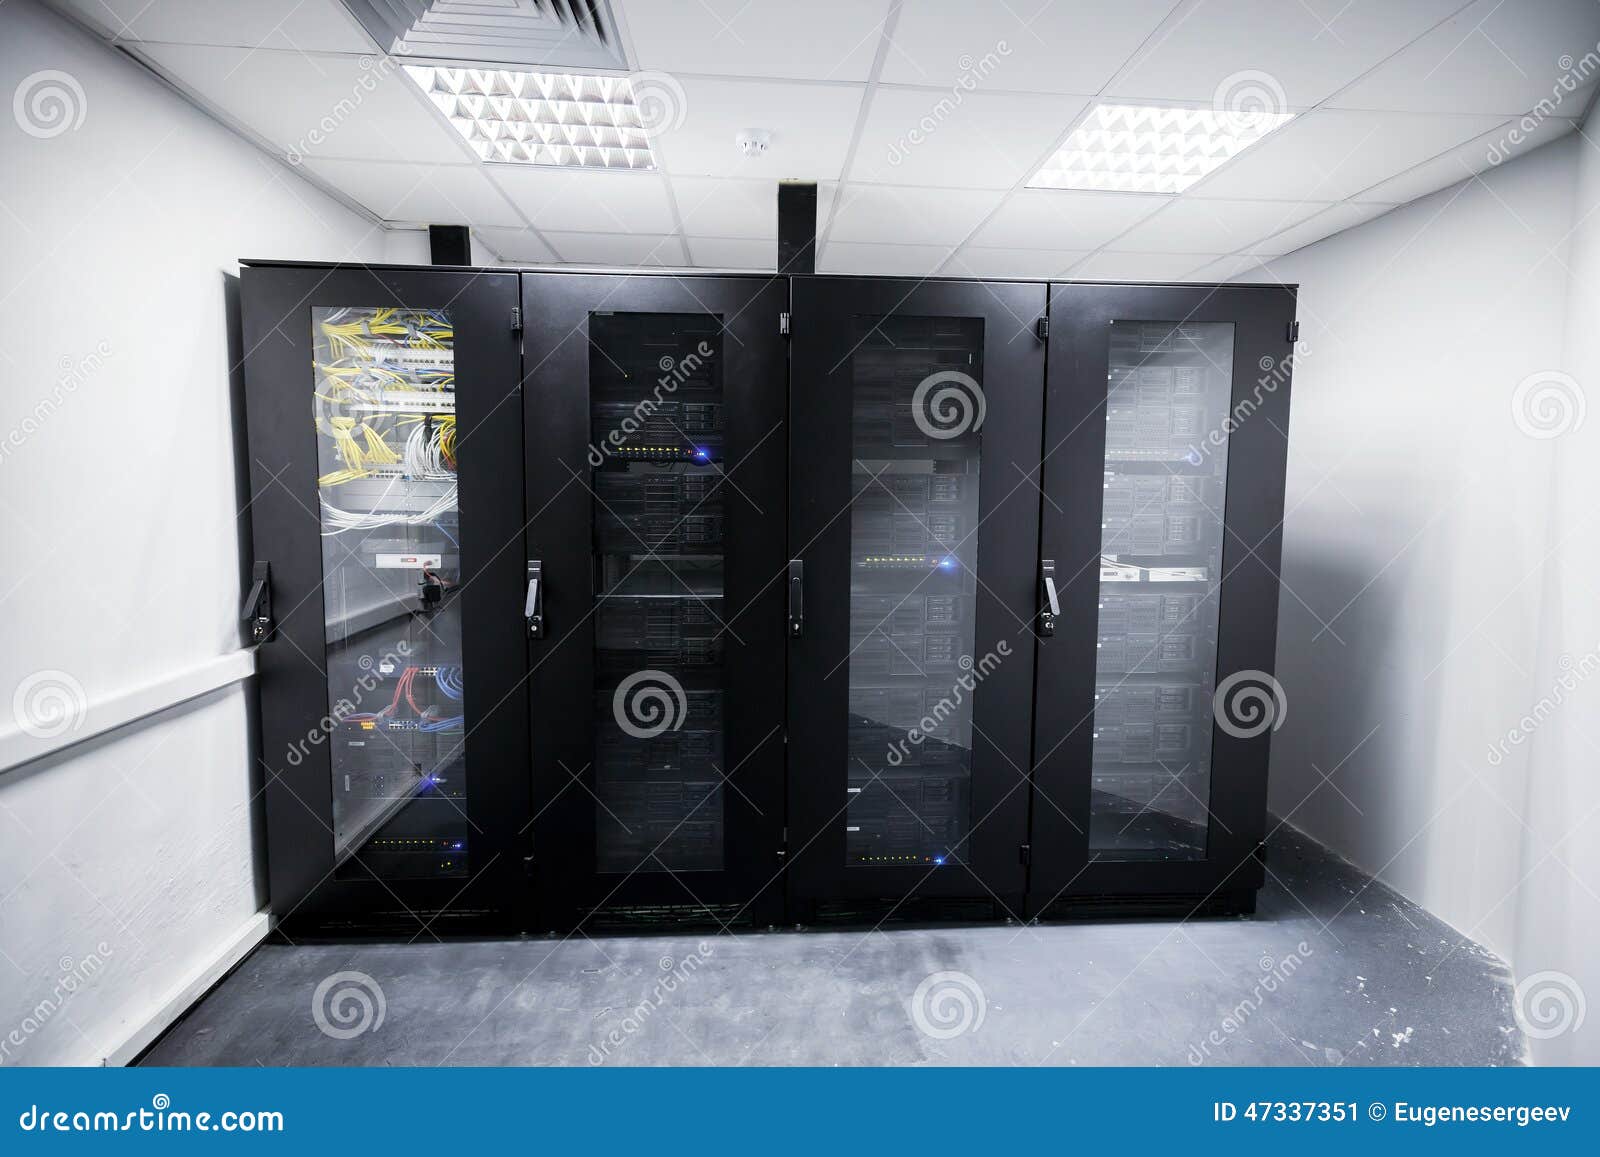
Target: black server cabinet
column 383, row 410
column 915, row 415
column 1165, row 449
column 656, row 435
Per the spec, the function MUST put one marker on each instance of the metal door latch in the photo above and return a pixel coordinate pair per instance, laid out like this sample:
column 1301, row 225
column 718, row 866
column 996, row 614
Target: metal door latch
column 533, row 605
column 258, row 603
column 1051, row 605
column 797, row 598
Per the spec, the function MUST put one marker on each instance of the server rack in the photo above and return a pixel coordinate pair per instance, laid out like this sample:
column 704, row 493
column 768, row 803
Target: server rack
column 913, row 521
column 1166, row 444
column 655, row 545
column 725, row 627
column 382, row 409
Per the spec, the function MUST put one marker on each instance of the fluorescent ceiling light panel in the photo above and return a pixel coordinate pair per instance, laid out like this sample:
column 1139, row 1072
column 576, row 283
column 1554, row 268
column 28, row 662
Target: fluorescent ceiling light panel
column 538, row 118
column 1131, row 148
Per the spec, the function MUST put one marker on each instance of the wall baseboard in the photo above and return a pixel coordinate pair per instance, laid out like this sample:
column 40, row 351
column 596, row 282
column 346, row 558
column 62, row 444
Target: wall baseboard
column 229, row 953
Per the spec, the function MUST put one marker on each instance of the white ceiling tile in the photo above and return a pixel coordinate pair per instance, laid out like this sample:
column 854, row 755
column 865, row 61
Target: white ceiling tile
column 1332, row 154
column 1193, row 226
column 810, row 125
column 724, row 207
column 910, row 216
column 292, row 25
column 1307, row 48
column 1334, row 219
column 517, row 245
column 733, row 253
column 821, row 39
column 1021, row 45
column 1493, row 57
column 1226, row 268
column 1110, row 266
column 616, row 249
column 1064, row 218
column 1485, row 152
column 977, row 261
column 294, row 100
column 436, row 194
column 917, row 137
column 587, row 200
column 886, row 260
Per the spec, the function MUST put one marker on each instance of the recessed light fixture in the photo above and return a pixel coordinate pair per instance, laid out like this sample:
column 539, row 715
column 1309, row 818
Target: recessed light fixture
column 1131, row 148
column 537, row 118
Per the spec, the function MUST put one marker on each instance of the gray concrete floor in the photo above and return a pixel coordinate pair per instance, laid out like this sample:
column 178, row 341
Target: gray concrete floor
column 1333, row 969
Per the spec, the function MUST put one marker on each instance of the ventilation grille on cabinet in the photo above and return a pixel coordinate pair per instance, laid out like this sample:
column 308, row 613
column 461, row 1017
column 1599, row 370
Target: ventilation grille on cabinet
column 548, row 34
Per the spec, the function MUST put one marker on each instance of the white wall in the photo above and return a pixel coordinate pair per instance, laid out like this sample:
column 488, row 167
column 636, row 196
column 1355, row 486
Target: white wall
column 118, row 510
column 1422, row 612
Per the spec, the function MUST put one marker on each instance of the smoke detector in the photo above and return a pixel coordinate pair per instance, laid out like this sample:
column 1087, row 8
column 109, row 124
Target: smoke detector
column 753, row 142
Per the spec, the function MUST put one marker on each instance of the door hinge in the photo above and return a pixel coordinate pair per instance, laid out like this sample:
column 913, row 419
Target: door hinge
column 1025, row 854
column 1294, row 331
column 516, row 319
column 783, row 323
column 1041, row 328
column 258, row 603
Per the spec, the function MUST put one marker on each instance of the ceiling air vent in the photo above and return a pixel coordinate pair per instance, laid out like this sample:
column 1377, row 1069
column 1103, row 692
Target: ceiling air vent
column 553, row 35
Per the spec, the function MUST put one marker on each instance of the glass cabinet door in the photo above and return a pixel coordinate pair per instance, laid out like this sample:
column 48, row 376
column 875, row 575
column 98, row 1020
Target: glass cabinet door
column 656, row 470
column 384, row 406
column 913, row 588
column 1165, row 435
column 914, row 453
column 1160, row 569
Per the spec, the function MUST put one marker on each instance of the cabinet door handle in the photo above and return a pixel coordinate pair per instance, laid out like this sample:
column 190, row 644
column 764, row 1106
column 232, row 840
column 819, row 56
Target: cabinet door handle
column 533, row 605
column 797, row 598
column 1050, row 603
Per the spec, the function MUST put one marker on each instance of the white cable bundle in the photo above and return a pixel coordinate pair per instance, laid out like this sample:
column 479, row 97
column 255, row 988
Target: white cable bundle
column 342, row 520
